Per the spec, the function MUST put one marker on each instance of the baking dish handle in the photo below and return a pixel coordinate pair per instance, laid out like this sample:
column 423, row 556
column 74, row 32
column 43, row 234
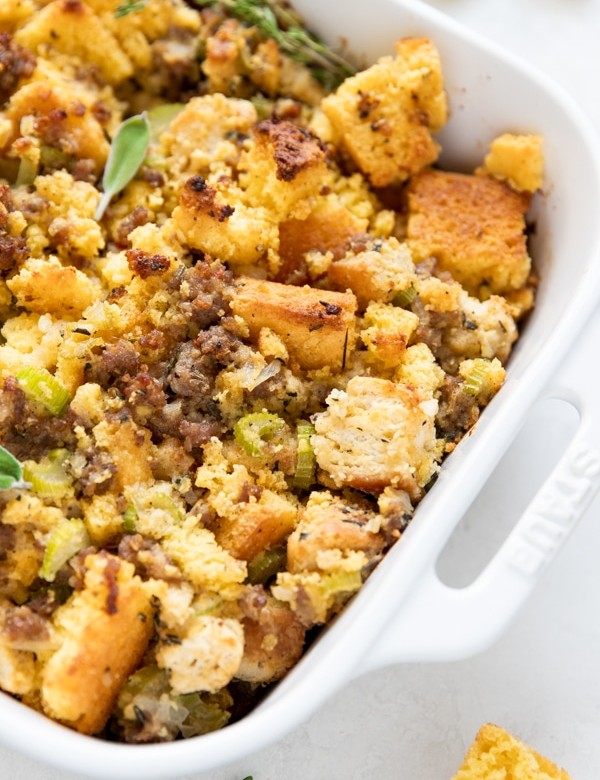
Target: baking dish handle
column 442, row 623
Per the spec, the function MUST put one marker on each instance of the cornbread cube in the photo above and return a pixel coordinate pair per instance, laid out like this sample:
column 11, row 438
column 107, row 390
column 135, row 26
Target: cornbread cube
column 377, row 433
column 105, row 629
column 316, row 326
column 71, row 27
column 516, row 159
column 383, row 269
column 198, row 137
column 384, row 116
column 45, row 286
column 474, row 226
column 282, row 169
column 58, row 108
column 496, row 753
column 205, row 219
column 387, row 331
column 330, row 523
column 419, row 368
column 327, row 228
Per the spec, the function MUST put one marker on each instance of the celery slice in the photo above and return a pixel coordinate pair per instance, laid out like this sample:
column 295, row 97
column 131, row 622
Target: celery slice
column 47, row 479
column 304, row 476
column 254, row 430
column 66, row 539
column 266, row 565
column 477, row 378
column 40, row 386
column 130, row 517
column 404, row 297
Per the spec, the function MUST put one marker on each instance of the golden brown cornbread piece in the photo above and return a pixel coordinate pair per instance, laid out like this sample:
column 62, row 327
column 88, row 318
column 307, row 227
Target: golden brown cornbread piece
column 497, row 754
column 517, row 159
column 316, row 326
column 105, row 630
column 473, row 225
column 384, row 116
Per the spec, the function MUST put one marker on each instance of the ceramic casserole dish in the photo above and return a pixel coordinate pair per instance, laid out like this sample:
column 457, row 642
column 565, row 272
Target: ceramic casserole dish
column 404, row 612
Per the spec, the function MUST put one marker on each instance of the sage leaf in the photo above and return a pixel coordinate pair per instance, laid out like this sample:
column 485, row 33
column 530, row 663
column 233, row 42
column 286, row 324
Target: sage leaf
column 127, row 153
column 11, row 473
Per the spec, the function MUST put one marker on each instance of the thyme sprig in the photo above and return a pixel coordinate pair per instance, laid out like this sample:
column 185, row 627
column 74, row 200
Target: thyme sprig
column 276, row 20
column 129, row 7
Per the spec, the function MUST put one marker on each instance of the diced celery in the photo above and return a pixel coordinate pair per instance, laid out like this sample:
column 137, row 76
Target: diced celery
column 254, row 430
column 305, row 457
column 40, row 386
column 66, row 540
column 266, row 565
column 47, row 479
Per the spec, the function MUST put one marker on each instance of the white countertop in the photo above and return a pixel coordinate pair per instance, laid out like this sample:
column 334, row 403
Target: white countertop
column 542, row 679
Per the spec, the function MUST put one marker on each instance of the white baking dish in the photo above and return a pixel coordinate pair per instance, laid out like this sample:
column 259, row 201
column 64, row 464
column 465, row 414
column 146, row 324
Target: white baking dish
column 404, row 612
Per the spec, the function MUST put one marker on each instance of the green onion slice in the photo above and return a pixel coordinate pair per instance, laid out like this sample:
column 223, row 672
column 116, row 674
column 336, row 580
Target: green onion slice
column 304, row 476
column 40, row 386
column 254, row 430
column 66, row 539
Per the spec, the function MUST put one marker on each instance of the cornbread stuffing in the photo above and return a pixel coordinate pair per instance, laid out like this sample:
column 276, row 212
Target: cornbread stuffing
column 229, row 372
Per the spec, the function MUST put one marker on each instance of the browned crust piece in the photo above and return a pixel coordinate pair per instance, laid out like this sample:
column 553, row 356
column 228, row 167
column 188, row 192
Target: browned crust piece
column 473, row 225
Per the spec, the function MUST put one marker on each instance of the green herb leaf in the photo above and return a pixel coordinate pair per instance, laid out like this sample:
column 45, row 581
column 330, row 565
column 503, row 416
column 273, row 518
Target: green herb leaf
column 160, row 117
column 127, row 153
column 276, row 20
column 129, row 7
column 11, row 473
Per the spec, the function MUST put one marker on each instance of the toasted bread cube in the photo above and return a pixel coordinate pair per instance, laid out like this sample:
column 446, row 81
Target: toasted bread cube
column 384, row 116
column 316, row 326
column 71, row 27
column 496, row 753
column 387, row 332
column 206, row 657
column 383, row 269
column 473, row 225
column 105, row 629
column 518, row 160
column 377, row 433
column 256, row 525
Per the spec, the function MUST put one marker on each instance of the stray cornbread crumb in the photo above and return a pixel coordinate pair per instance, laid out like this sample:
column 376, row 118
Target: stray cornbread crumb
column 497, row 754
